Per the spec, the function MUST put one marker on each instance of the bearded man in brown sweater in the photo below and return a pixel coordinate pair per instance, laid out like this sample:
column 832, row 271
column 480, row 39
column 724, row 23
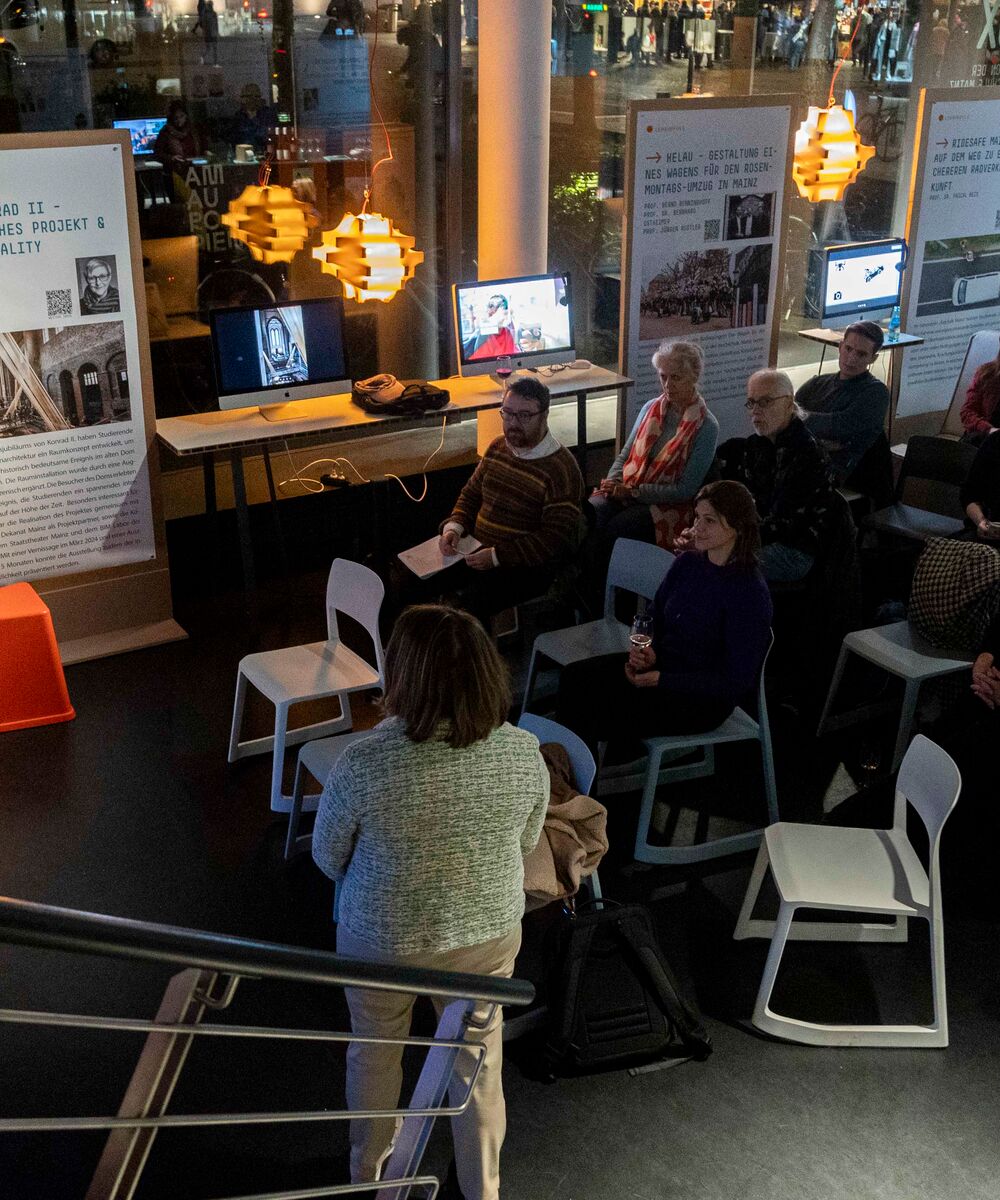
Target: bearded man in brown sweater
column 523, row 503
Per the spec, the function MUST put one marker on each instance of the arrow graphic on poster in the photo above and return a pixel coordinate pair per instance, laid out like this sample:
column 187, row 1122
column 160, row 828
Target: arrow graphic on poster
column 653, row 157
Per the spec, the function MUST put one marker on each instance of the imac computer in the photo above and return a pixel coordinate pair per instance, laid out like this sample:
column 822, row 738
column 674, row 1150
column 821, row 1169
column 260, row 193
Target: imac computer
column 143, row 133
column 272, row 355
column 862, row 277
column 528, row 320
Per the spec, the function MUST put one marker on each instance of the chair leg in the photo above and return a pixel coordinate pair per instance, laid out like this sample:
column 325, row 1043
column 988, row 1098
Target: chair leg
column 838, row 675
column 937, row 979
column 643, row 850
column 770, row 783
column 529, row 686
column 746, row 926
column 279, row 801
column 910, row 695
column 763, row 1018
column 295, row 815
column 238, row 706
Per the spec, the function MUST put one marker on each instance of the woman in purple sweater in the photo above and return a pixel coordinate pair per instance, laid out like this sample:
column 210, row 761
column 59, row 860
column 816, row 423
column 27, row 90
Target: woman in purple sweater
column 711, row 628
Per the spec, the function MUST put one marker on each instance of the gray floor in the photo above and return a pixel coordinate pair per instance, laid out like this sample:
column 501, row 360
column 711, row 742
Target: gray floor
column 132, row 810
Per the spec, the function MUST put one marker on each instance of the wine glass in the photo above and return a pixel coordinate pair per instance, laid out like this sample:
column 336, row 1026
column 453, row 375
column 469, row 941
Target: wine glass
column 641, row 636
column 503, row 370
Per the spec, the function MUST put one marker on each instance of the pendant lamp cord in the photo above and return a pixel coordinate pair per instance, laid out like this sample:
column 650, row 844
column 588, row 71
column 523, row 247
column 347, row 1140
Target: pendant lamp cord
column 388, row 156
column 840, row 61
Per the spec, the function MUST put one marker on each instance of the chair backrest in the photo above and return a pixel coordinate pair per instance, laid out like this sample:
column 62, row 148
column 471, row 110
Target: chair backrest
column 982, row 348
column 637, row 567
column 581, row 760
column 932, row 474
column 358, row 592
column 929, row 779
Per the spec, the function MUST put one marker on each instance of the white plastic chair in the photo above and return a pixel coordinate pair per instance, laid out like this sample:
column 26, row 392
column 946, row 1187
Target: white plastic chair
column 313, row 672
column 901, row 651
column 863, row 871
column 581, row 763
column 637, row 567
column 739, row 726
column 317, row 758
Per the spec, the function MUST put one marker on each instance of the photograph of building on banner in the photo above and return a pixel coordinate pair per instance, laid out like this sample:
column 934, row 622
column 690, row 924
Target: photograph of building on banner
column 63, row 378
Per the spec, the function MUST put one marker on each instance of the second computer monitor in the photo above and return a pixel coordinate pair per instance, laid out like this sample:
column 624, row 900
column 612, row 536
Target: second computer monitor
column 862, row 277
column 528, row 320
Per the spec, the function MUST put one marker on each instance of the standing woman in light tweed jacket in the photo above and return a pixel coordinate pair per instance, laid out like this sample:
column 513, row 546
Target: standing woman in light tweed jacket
column 427, row 822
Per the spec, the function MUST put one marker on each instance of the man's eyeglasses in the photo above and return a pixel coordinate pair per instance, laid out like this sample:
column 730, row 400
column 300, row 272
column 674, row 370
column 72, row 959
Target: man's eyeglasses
column 763, row 401
column 522, row 418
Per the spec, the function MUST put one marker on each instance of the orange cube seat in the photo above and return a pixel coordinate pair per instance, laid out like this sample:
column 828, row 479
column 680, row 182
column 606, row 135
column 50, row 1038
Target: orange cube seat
column 32, row 684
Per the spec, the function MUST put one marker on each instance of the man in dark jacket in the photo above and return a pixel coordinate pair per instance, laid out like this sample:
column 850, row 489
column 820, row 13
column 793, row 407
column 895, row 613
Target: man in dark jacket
column 846, row 412
column 788, row 476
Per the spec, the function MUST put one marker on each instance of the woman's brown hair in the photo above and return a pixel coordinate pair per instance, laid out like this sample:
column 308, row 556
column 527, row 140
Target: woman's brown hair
column 440, row 666
column 734, row 503
column 989, row 372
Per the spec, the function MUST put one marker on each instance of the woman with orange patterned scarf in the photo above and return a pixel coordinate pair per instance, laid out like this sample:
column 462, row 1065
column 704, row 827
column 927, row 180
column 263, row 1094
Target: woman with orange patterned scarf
column 649, row 491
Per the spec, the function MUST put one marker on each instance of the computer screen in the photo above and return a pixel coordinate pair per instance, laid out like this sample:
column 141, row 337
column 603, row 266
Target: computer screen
column 143, row 133
column 863, row 277
column 274, row 353
column 529, row 320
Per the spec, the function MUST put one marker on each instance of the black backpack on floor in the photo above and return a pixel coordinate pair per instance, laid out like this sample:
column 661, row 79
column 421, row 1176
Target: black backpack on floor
column 613, row 1000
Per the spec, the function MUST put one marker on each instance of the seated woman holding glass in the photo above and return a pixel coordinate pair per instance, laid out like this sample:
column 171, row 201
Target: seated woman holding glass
column 711, row 620
column 427, row 822
column 648, row 492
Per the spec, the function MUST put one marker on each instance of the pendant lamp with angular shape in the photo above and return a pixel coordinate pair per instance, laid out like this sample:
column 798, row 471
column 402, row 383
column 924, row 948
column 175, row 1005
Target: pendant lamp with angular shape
column 369, row 255
column 269, row 220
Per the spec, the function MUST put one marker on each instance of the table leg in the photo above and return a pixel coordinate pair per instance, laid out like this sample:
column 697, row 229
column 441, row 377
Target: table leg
column 581, row 432
column 275, row 514
column 243, row 521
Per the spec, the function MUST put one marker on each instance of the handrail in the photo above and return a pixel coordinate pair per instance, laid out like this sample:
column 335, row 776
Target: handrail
column 25, row 922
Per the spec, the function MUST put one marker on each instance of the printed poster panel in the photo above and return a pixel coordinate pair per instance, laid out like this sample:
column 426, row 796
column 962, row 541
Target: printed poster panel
column 953, row 289
column 705, row 207
column 74, row 483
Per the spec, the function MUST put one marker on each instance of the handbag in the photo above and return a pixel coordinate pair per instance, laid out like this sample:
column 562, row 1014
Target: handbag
column 385, row 395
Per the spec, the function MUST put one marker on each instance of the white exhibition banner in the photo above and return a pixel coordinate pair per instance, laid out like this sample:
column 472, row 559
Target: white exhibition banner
column 74, row 481
column 704, row 211
column 953, row 284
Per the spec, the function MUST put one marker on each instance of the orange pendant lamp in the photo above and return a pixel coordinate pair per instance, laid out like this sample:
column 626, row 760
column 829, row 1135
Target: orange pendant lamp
column 829, row 154
column 271, row 223
column 369, row 255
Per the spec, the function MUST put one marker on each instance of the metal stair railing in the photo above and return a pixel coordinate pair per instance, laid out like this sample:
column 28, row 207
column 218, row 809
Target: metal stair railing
column 213, row 966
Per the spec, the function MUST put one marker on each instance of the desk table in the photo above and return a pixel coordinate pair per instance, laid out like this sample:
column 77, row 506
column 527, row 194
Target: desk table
column 337, row 418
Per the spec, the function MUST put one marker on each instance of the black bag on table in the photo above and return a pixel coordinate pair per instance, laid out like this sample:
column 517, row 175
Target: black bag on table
column 384, row 395
column 613, row 1000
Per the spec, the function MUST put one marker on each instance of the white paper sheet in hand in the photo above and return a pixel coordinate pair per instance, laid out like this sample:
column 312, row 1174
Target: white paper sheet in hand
column 426, row 559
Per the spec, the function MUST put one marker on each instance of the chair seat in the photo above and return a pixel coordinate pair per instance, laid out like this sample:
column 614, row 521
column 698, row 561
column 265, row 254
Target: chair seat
column 308, row 672
column 579, row 642
column 737, row 727
column 900, row 650
column 852, row 870
column 906, row 521
column 319, row 756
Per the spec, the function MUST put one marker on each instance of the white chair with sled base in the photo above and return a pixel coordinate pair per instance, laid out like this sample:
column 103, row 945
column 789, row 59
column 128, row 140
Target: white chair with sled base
column 637, row 567
column 316, row 758
column 314, row 672
column 738, row 727
column 863, row 871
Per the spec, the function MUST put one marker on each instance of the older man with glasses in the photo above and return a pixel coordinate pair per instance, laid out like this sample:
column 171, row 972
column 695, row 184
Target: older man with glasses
column 523, row 503
column 788, row 475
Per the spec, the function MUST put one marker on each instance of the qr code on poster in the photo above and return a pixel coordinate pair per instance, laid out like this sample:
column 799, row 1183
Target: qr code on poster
column 712, row 231
column 59, row 302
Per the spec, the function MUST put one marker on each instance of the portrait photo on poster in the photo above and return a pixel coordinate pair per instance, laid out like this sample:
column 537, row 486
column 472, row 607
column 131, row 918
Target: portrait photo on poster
column 69, row 377
column 701, row 291
column 97, row 280
column 960, row 273
column 749, row 215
